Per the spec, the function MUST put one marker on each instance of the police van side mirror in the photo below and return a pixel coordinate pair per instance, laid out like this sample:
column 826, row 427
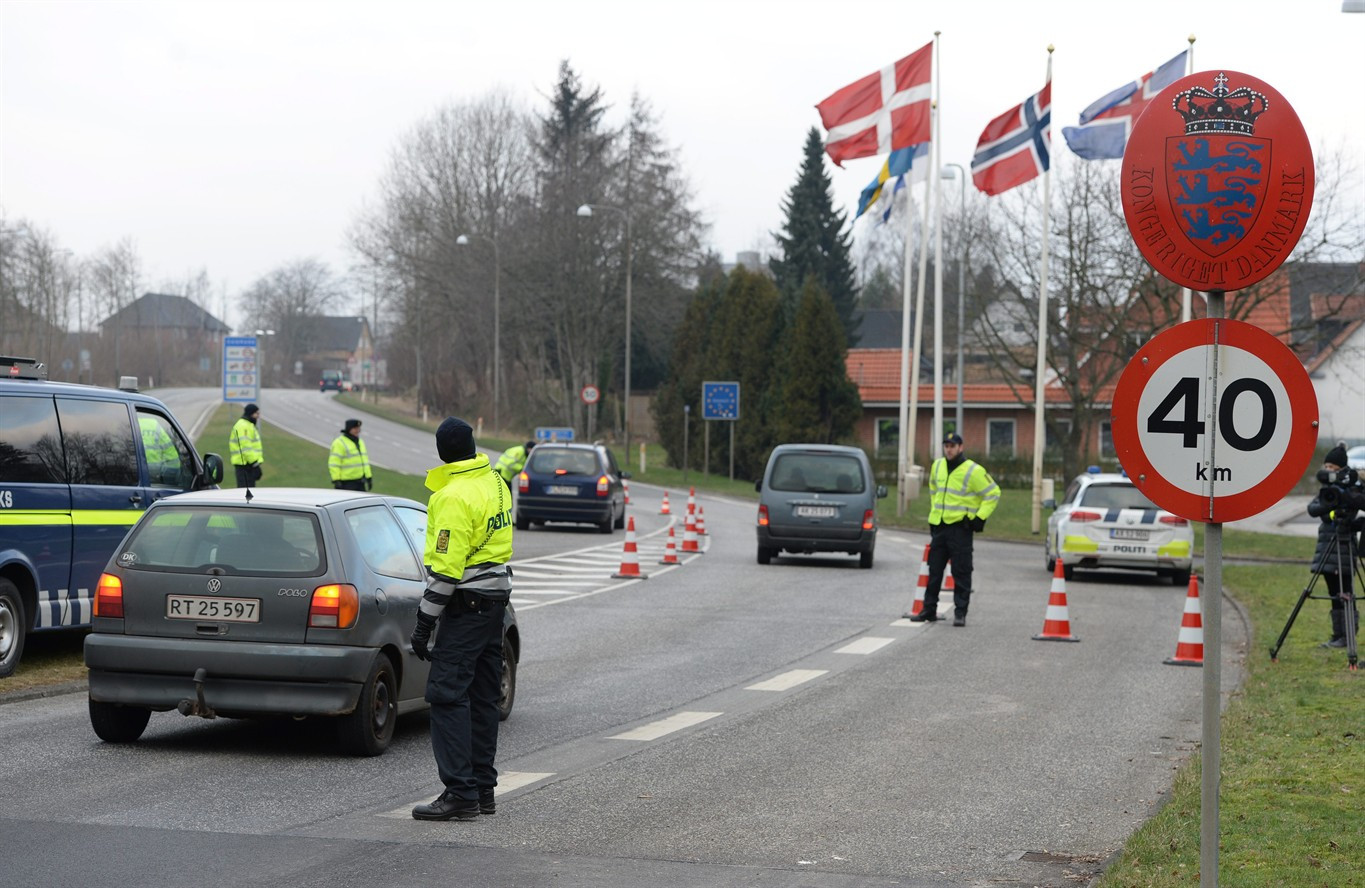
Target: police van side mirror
column 213, row 472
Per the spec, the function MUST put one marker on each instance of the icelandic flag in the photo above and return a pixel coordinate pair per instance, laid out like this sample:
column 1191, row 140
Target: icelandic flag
column 1014, row 147
column 1106, row 124
column 884, row 111
column 898, row 164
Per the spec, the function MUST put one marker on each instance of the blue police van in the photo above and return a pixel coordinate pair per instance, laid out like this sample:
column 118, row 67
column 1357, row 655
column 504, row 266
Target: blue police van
column 78, row 465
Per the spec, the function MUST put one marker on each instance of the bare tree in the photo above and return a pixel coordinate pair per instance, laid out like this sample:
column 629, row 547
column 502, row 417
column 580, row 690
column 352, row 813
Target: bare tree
column 285, row 300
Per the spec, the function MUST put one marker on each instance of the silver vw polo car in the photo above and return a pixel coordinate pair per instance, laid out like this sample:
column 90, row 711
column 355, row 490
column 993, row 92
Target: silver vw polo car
column 271, row 602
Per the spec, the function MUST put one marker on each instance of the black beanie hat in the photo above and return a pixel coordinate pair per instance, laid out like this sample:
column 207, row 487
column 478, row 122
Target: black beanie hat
column 350, row 424
column 1337, row 455
column 454, row 440
column 249, row 409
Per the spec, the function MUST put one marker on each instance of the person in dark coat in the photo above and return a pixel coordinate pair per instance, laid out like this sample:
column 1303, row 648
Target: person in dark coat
column 1336, row 554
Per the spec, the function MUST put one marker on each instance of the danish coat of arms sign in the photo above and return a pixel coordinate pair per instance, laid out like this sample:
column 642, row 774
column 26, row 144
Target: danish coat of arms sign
column 1217, row 181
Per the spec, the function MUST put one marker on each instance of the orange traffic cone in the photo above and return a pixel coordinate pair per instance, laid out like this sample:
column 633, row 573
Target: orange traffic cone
column 630, row 557
column 625, row 489
column 1056, row 623
column 670, row 550
column 917, row 605
column 1189, row 647
column 663, row 509
column 690, row 536
column 701, row 521
column 691, row 500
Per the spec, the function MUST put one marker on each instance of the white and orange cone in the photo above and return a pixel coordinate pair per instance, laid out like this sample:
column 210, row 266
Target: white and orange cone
column 670, row 550
column 1057, row 622
column 625, row 489
column 917, row 605
column 1189, row 647
column 630, row 557
column 691, row 501
column 690, row 536
column 663, row 509
column 701, row 521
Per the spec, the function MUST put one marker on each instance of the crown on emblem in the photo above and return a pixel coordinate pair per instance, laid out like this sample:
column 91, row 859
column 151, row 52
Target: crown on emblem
column 1220, row 111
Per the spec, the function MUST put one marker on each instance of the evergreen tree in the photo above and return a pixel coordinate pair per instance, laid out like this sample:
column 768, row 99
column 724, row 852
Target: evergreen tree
column 815, row 401
column 815, row 243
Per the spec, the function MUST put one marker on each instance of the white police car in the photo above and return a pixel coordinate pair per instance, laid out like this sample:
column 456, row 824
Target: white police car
column 1104, row 521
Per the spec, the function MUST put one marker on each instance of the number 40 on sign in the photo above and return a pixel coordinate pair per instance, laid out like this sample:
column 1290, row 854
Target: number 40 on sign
column 1215, row 420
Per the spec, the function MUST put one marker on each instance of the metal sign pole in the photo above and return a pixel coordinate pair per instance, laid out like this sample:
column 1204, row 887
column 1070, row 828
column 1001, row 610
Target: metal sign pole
column 1212, row 606
column 732, row 450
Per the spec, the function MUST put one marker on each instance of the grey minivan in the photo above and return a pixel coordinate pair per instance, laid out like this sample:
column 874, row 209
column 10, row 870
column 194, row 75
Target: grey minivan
column 818, row 498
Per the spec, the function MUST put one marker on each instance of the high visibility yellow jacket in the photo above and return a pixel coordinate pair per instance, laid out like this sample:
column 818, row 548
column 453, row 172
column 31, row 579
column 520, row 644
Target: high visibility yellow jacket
column 245, row 443
column 156, row 444
column 348, row 460
column 511, row 462
column 966, row 492
column 469, row 533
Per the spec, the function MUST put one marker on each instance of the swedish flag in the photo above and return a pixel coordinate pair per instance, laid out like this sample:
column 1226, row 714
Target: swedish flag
column 898, row 164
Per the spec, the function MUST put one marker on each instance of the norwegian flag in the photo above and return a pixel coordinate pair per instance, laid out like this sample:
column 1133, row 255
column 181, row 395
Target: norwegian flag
column 1106, row 124
column 882, row 112
column 1015, row 147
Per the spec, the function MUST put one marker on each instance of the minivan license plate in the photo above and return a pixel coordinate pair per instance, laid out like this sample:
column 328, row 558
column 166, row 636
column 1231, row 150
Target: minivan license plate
column 816, row 511
column 200, row 607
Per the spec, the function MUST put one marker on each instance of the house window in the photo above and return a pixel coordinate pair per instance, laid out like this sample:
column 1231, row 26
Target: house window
column 1054, row 440
column 1107, row 450
column 1000, row 437
column 888, row 434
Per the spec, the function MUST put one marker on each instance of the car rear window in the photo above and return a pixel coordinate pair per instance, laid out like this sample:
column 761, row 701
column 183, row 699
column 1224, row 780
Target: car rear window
column 1115, row 496
column 818, row 473
column 255, row 542
column 568, row 462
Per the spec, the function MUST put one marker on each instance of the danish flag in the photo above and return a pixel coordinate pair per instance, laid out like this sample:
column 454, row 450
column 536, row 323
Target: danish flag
column 884, row 111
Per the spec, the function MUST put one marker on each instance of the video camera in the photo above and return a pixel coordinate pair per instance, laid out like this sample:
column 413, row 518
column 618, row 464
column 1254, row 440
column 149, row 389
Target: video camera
column 1337, row 486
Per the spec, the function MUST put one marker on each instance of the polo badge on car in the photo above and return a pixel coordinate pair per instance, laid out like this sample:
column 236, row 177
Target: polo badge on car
column 215, row 585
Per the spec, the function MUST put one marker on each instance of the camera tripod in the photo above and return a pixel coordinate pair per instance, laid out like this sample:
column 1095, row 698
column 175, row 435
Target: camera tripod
column 1350, row 572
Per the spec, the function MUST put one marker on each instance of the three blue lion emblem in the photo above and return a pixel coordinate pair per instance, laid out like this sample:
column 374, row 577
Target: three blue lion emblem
column 1222, row 190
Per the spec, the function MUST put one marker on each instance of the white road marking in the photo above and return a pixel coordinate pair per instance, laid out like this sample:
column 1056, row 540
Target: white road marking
column 787, row 680
column 663, row 727
column 865, row 645
column 508, row 781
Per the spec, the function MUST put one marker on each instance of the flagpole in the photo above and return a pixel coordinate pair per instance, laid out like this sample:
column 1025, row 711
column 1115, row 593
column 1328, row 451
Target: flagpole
column 912, row 428
column 1038, row 379
column 936, row 433
column 902, row 464
column 1185, row 291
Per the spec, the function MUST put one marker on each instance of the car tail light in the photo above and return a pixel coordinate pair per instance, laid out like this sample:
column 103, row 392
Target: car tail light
column 109, row 597
column 523, row 482
column 333, row 607
column 1175, row 520
column 1082, row 517
column 869, row 519
column 603, row 486
column 762, row 516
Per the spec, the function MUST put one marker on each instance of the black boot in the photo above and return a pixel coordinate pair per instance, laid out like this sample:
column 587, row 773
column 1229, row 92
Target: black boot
column 447, row 807
column 1338, row 639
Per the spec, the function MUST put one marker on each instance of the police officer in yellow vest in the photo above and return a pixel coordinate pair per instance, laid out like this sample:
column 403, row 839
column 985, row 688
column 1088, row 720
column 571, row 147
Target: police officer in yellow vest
column 512, row 461
column 962, row 495
column 349, row 463
column 244, row 444
column 163, row 459
column 468, row 545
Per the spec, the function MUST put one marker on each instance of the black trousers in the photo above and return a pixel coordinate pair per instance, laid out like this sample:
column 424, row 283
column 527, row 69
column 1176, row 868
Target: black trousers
column 354, row 484
column 950, row 542
column 463, row 689
column 247, row 476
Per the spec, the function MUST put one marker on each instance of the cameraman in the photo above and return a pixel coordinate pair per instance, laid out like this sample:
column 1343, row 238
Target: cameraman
column 1337, row 504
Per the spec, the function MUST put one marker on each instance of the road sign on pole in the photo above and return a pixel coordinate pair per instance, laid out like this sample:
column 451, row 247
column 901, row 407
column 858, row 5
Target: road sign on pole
column 241, row 369
column 589, row 394
column 552, row 433
column 720, row 400
column 1215, row 420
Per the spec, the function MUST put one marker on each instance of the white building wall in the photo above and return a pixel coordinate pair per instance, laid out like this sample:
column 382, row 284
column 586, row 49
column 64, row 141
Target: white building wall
column 1340, row 386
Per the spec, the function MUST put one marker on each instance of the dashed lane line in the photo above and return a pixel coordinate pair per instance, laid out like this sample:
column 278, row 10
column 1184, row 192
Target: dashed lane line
column 787, row 680
column 666, row 726
column 865, row 645
column 508, row 781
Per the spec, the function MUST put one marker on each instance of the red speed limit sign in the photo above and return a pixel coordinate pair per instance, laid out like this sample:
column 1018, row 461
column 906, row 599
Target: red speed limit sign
column 1215, row 420
column 589, row 394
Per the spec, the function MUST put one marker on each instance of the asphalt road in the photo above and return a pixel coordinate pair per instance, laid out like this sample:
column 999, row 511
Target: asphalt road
column 718, row 724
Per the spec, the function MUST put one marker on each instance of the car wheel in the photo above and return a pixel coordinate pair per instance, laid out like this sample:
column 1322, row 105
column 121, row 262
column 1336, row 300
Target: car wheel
column 1180, row 577
column 1067, row 571
column 621, row 521
column 523, row 523
column 765, row 554
column 605, row 525
column 369, row 728
column 118, row 724
column 865, row 559
column 508, row 690
column 13, row 626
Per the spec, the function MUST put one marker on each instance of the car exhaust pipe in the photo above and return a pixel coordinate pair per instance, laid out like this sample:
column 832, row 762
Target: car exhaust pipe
column 197, row 706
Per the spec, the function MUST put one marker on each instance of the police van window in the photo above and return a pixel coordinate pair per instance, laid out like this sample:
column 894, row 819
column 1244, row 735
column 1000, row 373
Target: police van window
column 382, row 542
column 99, row 442
column 30, row 442
column 167, row 455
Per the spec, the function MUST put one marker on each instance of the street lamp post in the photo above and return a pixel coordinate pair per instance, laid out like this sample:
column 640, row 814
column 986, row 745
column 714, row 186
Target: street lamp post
column 961, row 277
column 586, row 212
column 463, row 241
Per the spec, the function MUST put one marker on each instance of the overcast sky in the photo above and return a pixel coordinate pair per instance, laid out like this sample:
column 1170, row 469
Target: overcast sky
column 238, row 136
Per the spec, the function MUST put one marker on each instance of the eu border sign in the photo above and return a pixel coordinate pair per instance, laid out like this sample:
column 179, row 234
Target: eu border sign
column 720, row 400
column 241, row 369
